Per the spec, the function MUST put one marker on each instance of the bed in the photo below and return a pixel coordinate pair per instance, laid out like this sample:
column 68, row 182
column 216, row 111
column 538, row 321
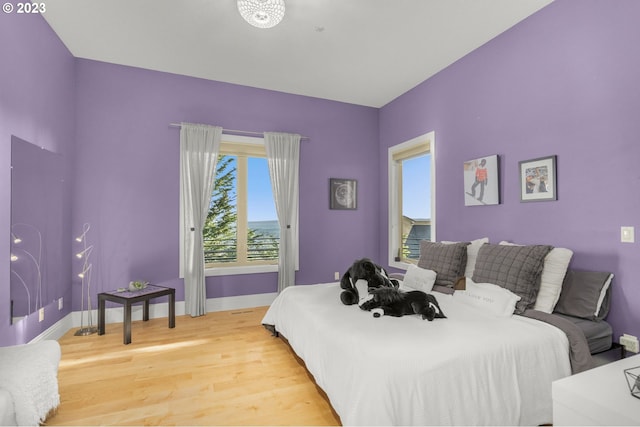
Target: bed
column 480, row 366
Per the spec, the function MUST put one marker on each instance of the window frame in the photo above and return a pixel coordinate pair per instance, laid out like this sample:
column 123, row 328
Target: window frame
column 242, row 147
column 396, row 154
column 232, row 145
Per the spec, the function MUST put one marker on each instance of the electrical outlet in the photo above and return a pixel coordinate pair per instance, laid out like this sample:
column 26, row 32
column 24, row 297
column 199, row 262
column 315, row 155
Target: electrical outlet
column 630, row 343
column 41, row 314
column 60, row 303
column 336, row 275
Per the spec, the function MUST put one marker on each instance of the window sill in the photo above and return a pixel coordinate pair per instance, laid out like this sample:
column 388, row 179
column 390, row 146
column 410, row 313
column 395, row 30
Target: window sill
column 231, row 271
column 400, row 265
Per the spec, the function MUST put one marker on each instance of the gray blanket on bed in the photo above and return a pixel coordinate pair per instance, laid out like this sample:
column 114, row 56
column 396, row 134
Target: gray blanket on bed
column 579, row 353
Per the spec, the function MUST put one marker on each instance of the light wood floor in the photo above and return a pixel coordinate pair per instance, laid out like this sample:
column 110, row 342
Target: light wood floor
column 220, row 369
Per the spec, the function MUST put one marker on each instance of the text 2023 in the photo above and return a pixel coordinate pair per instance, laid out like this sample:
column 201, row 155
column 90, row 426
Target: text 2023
column 31, row 8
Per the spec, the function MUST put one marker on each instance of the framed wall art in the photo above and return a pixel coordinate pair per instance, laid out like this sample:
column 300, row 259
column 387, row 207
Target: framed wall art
column 481, row 181
column 538, row 179
column 343, row 193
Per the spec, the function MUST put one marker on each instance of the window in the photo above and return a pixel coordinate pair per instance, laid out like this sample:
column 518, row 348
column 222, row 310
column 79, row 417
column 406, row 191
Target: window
column 241, row 233
column 411, row 198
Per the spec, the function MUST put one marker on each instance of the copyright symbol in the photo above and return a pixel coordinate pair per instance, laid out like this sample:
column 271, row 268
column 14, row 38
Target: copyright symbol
column 7, row 8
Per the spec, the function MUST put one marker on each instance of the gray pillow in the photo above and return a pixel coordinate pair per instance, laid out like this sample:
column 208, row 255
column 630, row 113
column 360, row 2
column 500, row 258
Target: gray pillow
column 447, row 260
column 585, row 294
column 516, row 268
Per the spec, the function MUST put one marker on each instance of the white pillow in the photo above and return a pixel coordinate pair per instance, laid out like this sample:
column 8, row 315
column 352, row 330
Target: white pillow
column 555, row 268
column 419, row 278
column 472, row 253
column 488, row 297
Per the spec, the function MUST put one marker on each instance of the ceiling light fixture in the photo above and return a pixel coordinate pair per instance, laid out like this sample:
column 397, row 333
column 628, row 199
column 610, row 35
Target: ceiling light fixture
column 262, row 13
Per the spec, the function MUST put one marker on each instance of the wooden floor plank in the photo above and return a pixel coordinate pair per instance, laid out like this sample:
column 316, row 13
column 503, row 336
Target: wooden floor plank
column 220, row 369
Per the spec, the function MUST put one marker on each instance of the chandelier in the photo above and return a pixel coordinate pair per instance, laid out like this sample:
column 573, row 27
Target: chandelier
column 262, row 13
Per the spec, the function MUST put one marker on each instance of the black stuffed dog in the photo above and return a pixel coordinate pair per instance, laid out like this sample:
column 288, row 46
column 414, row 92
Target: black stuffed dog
column 363, row 269
column 394, row 302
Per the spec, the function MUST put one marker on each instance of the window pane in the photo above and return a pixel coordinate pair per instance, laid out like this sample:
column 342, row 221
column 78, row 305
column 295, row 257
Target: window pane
column 264, row 232
column 220, row 231
column 416, row 204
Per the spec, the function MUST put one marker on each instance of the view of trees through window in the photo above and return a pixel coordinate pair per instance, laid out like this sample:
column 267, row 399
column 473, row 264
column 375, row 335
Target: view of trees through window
column 241, row 226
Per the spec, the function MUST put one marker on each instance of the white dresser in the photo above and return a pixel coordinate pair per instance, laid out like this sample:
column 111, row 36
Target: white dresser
column 598, row 397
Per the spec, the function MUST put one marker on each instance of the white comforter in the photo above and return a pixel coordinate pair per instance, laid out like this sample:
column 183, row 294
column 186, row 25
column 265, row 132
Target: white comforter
column 469, row 369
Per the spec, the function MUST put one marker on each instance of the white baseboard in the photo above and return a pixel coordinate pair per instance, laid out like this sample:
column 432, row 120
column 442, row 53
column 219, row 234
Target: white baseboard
column 57, row 330
column 115, row 314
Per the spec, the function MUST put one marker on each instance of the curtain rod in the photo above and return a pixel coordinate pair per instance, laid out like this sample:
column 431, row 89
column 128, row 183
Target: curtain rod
column 235, row 132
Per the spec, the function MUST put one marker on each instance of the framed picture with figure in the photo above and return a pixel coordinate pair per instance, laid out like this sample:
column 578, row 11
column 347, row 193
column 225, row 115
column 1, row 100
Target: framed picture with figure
column 538, row 179
column 343, row 193
column 481, row 181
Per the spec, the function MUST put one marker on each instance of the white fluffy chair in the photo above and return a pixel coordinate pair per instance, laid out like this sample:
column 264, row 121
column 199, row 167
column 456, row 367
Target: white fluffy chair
column 28, row 382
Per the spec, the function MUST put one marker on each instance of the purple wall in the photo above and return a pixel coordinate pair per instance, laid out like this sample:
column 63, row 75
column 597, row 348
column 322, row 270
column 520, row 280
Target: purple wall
column 36, row 105
column 127, row 175
column 564, row 82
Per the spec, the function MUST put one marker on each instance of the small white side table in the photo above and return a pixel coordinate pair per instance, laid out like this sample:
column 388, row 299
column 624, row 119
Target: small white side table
column 597, row 397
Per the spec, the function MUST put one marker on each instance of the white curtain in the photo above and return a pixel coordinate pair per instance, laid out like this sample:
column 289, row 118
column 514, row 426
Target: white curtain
column 283, row 155
column 199, row 147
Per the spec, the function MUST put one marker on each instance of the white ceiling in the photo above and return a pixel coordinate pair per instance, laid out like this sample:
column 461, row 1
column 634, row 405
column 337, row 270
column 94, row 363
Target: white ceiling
column 364, row 52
